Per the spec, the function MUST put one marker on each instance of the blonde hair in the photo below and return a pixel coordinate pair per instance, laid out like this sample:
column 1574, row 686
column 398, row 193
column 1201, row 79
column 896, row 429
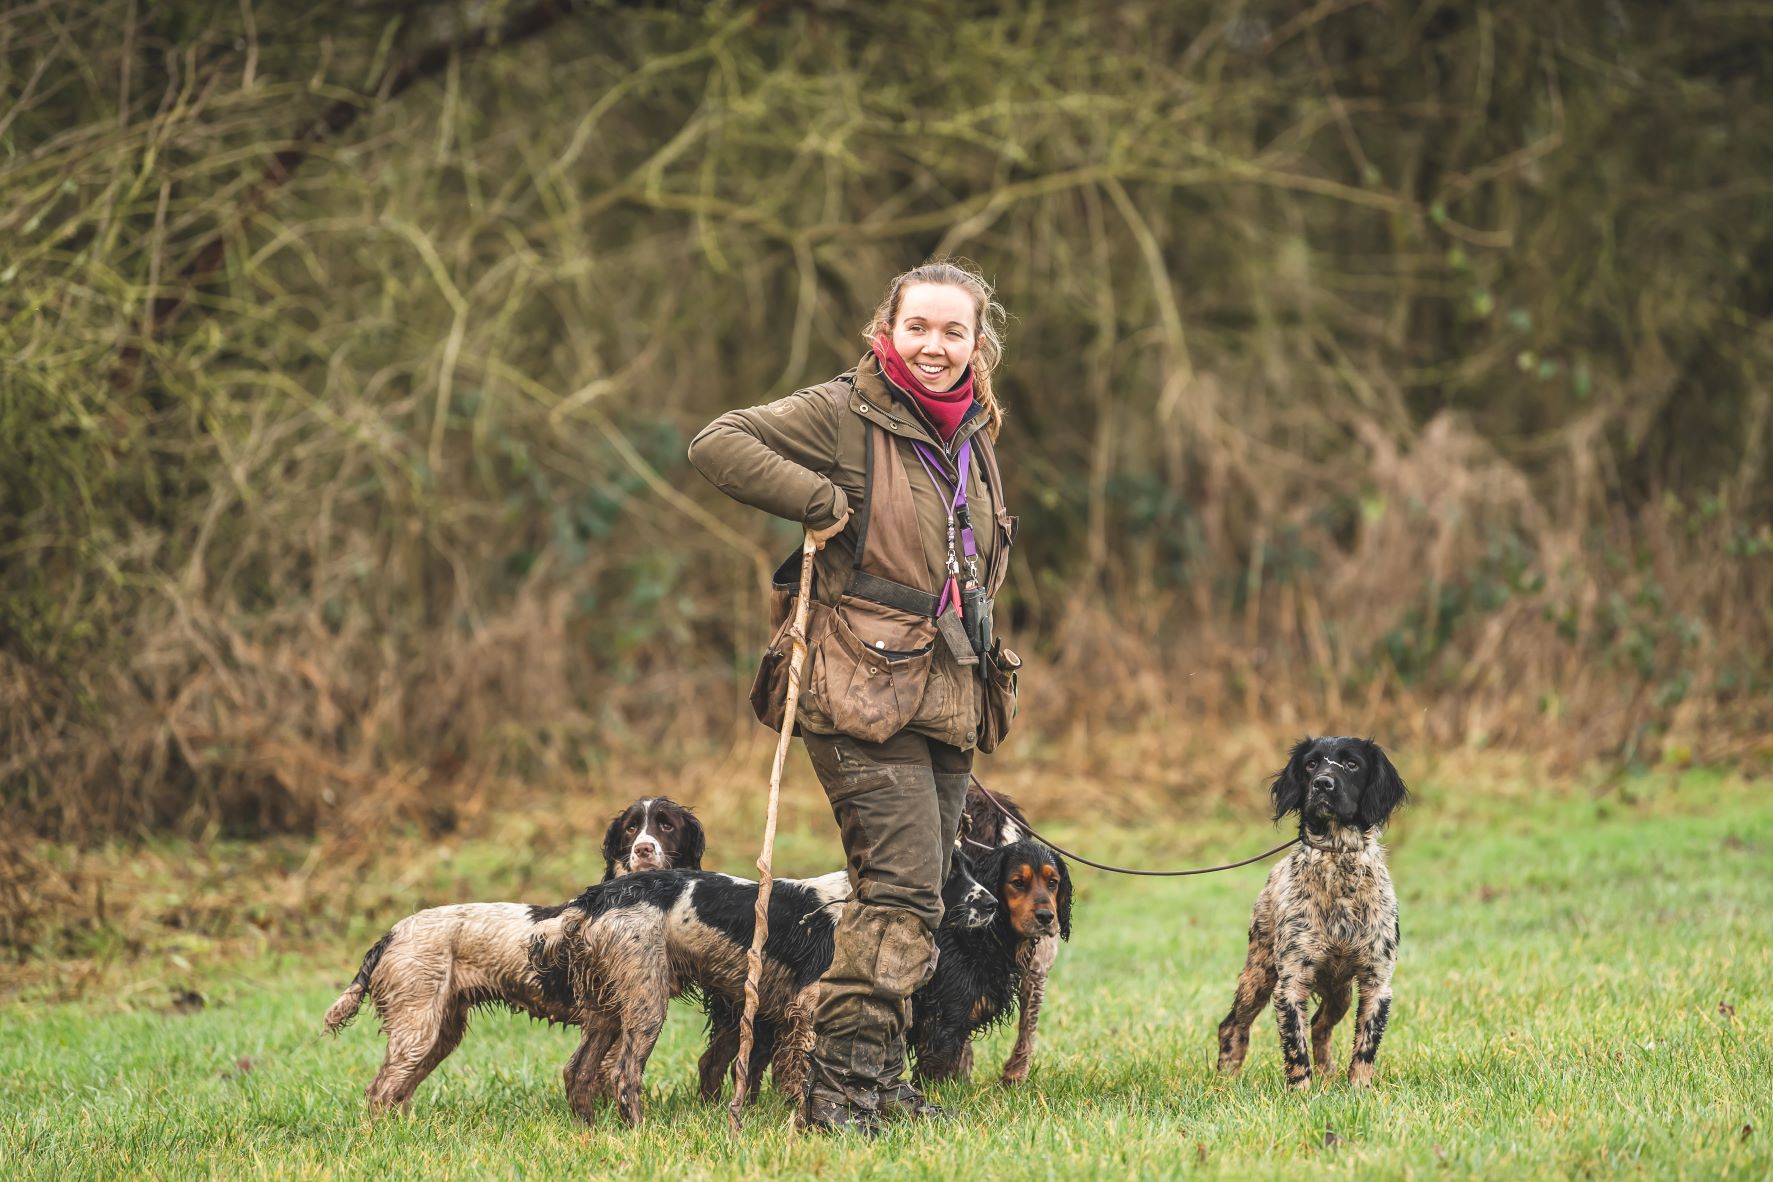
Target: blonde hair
column 989, row 319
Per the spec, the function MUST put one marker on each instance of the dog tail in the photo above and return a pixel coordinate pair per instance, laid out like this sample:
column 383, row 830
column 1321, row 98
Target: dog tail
column 340, row 1013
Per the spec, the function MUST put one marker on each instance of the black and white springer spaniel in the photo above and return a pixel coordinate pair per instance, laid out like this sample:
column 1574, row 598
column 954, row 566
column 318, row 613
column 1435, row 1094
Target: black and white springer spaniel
column 1327, row 918
column 626, row 948
column 433, row 967
column 653, row 833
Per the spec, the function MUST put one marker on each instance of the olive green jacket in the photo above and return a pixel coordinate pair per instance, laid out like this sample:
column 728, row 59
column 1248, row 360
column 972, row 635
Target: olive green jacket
column 804, row 457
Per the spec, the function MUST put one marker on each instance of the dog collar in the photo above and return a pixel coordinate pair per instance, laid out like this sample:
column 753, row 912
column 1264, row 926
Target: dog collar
column 1341, row 839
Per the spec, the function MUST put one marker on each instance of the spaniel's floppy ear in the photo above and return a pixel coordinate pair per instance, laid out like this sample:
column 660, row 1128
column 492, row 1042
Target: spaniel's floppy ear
column 612, row 846
column 1289, row 782
column 1384, row 792
column 1064, row 897
column 990, row 869
column 695, row 843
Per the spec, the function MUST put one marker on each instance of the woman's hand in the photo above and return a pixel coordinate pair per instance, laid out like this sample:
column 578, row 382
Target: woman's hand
column 821, row 536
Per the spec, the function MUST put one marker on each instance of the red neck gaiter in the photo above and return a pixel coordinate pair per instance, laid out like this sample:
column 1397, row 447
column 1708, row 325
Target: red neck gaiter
column 945, row 409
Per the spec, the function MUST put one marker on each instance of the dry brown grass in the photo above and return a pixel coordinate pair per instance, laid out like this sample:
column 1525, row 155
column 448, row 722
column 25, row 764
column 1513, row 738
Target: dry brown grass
column 1369, row 373
column 135, row 923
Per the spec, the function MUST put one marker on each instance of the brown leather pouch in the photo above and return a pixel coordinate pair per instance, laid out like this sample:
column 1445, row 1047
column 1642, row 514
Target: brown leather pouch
column 769, row 689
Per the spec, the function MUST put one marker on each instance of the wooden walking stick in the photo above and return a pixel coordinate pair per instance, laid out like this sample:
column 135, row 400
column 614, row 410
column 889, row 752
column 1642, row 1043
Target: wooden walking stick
column 754, row 962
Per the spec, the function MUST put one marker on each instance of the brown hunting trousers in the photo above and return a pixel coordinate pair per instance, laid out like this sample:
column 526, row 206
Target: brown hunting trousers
column 898, row 806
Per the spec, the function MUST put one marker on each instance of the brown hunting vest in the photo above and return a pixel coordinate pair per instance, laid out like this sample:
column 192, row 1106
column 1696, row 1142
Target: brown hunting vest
column 877, row 661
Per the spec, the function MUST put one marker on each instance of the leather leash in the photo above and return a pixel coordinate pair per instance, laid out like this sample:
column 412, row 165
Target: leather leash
column 1061, row 850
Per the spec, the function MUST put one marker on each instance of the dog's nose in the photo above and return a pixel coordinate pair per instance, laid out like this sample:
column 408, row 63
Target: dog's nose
column 1044, row 914
column 646, row 847
column 1322, row 784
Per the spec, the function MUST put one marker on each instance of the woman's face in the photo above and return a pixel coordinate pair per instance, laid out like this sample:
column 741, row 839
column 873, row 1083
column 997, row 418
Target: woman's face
column 934, row 332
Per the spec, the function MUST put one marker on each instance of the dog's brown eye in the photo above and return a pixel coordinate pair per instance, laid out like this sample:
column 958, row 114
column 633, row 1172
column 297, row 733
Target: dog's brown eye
column 665, row 825
column 632, row 826
column 1311, row 764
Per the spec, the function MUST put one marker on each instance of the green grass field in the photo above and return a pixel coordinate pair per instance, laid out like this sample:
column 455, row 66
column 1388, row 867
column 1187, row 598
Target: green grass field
column 1584, row 990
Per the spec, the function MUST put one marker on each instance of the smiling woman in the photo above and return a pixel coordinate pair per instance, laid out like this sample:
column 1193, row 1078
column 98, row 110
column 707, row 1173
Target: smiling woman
column 928, row 350
column 894, row 465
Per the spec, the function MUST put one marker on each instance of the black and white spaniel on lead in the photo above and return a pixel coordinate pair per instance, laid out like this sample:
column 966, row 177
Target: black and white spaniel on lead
column 1327, row 918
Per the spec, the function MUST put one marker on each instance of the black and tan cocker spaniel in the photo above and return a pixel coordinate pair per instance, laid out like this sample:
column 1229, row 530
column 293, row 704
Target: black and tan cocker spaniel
column 432, row 968
column 1001, row 905
column 984, row 826
column 980, row 971
column 1326, row 920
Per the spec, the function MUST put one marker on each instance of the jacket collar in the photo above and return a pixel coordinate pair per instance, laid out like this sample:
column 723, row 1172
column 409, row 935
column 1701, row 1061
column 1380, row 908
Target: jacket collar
column 874, row 401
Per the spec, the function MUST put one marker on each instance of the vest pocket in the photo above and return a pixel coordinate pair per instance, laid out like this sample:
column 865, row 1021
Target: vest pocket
column 998, row 705
column 769, row 689
column 873, row 665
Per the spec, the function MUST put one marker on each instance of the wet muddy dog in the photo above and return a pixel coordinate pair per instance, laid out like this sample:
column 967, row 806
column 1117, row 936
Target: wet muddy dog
column 629, row 947
column 1326, row 921
column 435, row 966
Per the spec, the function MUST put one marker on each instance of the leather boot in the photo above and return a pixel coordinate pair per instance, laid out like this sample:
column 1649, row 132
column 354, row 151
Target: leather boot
column 901, row 1099
column 882, row 956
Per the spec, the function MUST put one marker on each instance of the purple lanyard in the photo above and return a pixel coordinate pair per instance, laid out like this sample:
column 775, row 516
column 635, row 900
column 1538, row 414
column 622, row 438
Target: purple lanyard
column 969, row 546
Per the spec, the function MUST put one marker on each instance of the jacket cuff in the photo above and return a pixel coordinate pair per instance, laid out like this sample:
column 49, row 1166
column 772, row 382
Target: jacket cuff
column 827, row 506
